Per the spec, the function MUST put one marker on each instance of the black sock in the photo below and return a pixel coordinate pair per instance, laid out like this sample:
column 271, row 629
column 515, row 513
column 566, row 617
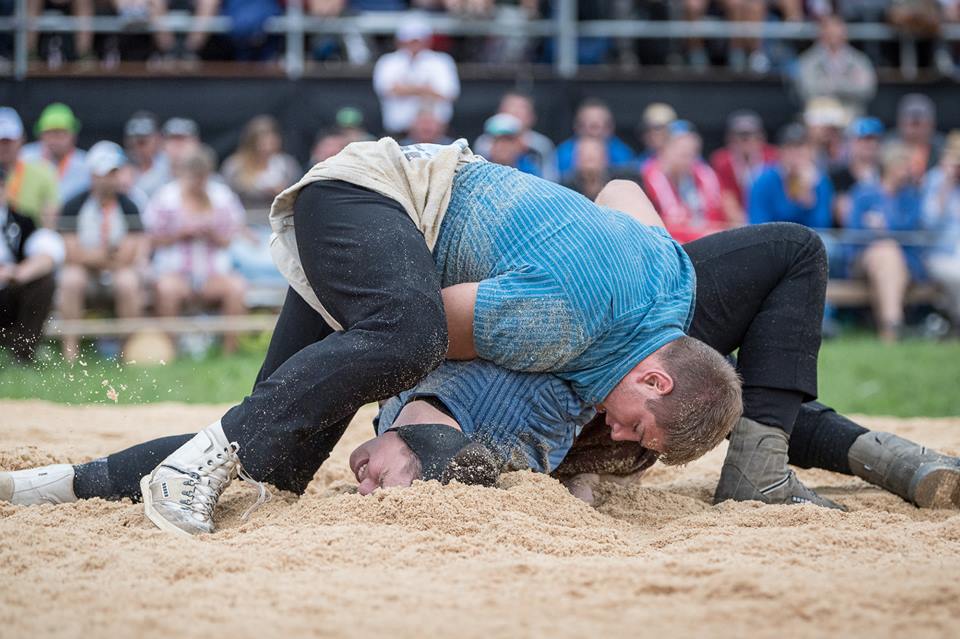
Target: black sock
column 92, row 480
column 118, row 476
column 772, row 406
column 822, row 439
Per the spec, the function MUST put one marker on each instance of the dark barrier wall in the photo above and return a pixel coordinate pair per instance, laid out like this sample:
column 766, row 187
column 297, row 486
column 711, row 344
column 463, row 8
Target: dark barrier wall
column 221, row 106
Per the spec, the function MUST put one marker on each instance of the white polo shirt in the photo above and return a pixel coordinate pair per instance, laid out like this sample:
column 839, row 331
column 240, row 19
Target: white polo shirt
column 432, row 68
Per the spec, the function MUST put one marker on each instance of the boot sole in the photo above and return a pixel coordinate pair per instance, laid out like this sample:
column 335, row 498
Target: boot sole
column 152, row 513
column 938, row 488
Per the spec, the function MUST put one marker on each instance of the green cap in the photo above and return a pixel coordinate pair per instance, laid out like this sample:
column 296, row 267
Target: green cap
column 349, row 118
column 57, row 116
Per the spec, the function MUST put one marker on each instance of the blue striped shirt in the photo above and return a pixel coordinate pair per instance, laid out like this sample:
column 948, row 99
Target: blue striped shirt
column 566, row 286
column 529, row 419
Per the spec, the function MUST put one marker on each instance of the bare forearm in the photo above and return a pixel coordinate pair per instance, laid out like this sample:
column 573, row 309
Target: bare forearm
column 458, row 304
column 33, row 268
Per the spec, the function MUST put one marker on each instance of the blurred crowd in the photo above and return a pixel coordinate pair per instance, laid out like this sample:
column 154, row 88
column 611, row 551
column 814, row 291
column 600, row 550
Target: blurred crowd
column 920, row 20
column 155, row 223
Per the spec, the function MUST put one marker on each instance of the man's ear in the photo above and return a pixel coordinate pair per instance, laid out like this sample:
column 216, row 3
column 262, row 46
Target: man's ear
column 657, row 380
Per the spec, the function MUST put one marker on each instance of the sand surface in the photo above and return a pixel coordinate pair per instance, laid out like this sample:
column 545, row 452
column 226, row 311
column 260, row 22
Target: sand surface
column 522, row 560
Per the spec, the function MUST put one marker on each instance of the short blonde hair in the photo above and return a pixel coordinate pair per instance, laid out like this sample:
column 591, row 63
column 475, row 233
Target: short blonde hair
column 704, row 405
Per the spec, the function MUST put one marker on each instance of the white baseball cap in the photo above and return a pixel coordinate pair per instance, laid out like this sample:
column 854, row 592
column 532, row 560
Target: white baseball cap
column 414, row 27
column 11, row 126
column 502, row 124
column 104, row 157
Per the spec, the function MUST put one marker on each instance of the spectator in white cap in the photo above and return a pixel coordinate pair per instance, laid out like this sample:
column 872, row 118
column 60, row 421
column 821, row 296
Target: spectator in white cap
column 106, row 247
column 506, row 143
column 414, row 77
column 28, row 257
column 826, row 121
column 32, row 184
column 149, row 164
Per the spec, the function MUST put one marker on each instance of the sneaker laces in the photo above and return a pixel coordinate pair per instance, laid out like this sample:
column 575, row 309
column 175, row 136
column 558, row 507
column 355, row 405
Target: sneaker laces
column 264, row 495
column 210, row 480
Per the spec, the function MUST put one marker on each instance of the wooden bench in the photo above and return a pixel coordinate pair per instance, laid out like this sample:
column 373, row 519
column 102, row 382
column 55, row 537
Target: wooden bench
column 856, row 293
column 117, row 327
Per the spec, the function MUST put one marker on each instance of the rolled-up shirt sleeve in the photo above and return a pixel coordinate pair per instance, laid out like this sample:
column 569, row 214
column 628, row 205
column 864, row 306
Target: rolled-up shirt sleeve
column 523, row 321
column 46, row 242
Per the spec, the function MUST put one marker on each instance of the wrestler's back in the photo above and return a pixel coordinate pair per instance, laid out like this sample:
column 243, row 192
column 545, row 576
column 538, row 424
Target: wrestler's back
column 558, row 272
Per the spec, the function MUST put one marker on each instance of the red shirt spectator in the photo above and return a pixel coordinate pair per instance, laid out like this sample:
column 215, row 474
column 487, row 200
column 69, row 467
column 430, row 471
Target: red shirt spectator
column 684, row 189
column 739, row 163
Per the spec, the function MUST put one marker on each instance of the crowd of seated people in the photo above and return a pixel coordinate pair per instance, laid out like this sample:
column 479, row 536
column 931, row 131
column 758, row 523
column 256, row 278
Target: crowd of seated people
column 850, row 71
column 887, row 203
column 158, row 226
column 151, row 229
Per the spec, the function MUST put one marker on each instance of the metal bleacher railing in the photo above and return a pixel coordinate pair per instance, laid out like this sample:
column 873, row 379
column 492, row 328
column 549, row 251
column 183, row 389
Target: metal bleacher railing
column 295, row 26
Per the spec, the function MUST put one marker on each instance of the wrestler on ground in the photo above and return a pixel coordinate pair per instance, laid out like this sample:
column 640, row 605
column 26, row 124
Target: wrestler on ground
column 537, row 421
column 368, row 239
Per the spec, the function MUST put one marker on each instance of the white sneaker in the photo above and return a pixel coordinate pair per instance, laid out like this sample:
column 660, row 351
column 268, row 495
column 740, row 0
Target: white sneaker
column 44, row 485
column 179, row 496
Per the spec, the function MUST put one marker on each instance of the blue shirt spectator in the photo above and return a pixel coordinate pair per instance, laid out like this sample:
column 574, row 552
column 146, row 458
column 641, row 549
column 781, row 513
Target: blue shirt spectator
column 793, row 189
column 941, row 203
column 618, row 152
column 771, row 201
column 506, row 144
column 873, row 207
column 594, row 120
column 941, row 214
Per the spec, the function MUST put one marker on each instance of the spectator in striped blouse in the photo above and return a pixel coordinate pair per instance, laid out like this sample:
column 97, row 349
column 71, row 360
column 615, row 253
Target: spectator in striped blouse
column 191, row 222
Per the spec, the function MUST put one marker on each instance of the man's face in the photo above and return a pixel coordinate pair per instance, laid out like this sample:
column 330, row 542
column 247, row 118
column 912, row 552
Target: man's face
column 9, row 149
column 178, row 147
column 520, row 108
column 595, row 122
column 591, row 156
column 505, row 149
column 383, row 462
column 107, row 185
column 681, row 154
column 897, row 170
column 833, row 33
column 142, row 147
column 58, row 142
column 821, row 134
column 629, row 418
column 915, row 130
column 655, row 137
column 328, row 146
column 795, row 157
column 413, row 47
column 746, row 143
column 866, row 149
column 427, row 128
